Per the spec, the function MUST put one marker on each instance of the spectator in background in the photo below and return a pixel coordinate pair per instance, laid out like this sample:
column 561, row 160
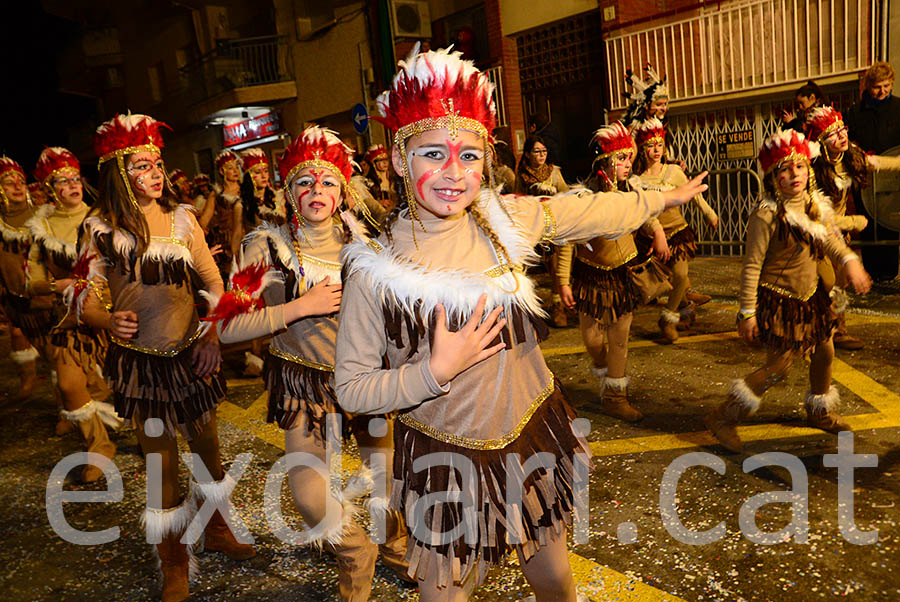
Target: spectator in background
column 874, row 124
column 37, row 194
column 808, row 97
column 539, row 125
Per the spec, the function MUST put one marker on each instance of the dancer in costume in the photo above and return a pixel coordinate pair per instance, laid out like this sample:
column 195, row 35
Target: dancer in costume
column 181, row 186
column 605, row 282
column 259, row 204
column 287, row 283
column 412, row 337
column 224, row 222
column 160, row 365
column 76, row 352
column 784, row 303
column 669, row 236
column 30, row 325
column 842, row 169
column 380, row 179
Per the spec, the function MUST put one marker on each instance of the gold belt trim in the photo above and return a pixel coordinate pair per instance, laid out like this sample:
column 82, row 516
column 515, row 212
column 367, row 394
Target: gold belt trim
column 676, row 231
column 296, row 359
column 608, row 268
column 481, row 444
column 786, row 293
column 150, row 351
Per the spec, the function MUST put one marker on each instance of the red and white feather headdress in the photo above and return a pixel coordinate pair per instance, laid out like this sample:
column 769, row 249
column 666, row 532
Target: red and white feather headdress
column 128, row 134
column 375, row 152
column 253, row 156
column 225, row 157
column 177, row 174
column 7, row 165
column 54, row 160
column 650, row 130
column 434, row 90
column 200, row 179
column 821, row 121
column 612, row 139
column 784, row 145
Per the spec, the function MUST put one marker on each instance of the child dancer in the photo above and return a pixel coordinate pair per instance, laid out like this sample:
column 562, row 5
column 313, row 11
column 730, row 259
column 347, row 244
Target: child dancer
column 76, row 352
column 288, row 284
column 784, row 304
column 152, row 253
column 602, row 285
column 842, row 170
column 30, row 325
column 412, row 337
column 673, row 239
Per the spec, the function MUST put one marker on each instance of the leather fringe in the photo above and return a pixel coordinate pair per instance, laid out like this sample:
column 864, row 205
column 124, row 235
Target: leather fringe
column 604, row 295
column 295, row 390
column 547, row 497
column 86, row 346
column 787, row 323
column 149, row 386
column 682, row 245
column 34, row 323
column 398, row 323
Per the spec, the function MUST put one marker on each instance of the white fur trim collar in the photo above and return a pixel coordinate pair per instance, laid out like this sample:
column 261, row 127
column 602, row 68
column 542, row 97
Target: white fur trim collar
column 10, row 234
column 314, row 269
column 161, row 248
column 396, row 279
column 798, row 219
column 41, row 234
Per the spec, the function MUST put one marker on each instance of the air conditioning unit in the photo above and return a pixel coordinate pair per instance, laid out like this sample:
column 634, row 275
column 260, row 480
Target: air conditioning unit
column 411, row 19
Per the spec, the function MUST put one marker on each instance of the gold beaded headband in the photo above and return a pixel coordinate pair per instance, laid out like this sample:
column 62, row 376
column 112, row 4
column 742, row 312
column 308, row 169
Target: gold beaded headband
column 348, row 190
column 838, row 124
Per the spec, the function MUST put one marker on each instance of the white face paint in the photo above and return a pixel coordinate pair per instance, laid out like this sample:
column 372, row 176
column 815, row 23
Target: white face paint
column 791, row 177
column 317, row 191
column 146, row 174
column 67, row 186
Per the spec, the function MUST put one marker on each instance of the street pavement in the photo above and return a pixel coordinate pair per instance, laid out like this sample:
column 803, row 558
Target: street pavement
column 630, row 553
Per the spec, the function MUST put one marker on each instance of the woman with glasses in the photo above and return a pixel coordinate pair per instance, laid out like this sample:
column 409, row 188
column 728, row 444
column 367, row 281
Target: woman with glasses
column 538, row 177
column 76, row 352
column 842, row 170
column 163, row 369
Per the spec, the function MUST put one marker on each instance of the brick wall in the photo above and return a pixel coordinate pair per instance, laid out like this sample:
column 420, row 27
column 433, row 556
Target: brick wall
column 504, row 51
column 627, row 11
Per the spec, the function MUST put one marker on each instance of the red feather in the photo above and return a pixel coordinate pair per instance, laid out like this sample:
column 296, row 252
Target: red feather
column 52, row 159
column 244, row 295
column 314, row 144
column 124, row 131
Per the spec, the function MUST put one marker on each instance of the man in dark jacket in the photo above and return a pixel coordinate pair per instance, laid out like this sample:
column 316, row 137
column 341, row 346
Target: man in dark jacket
column 874, row 124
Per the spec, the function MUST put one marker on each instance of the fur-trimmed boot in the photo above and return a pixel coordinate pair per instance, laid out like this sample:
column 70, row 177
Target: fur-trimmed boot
column 348, row 541
column 821, row 414
column 253, row 364
column 217, row 536
column 26, row 363
column 843, row 339
column 687, row 315
column 722, row 422
column 615, row 400
column 697, row 298
column 176, row 559
column 668, row 325
column 92, row 419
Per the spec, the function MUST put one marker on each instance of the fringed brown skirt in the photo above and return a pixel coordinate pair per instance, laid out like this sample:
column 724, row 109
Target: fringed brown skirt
column 35, row 324
column 304, row 393
column 605, row 295
column 682, row 245
column 486, row 527
column 81, row 345
column 789, row 323
column 151, row 386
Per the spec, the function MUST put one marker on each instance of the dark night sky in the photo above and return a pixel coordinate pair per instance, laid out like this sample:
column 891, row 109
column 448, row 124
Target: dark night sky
column 35, row 113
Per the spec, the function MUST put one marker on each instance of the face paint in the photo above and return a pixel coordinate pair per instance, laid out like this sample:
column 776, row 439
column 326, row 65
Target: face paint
column 444, row 171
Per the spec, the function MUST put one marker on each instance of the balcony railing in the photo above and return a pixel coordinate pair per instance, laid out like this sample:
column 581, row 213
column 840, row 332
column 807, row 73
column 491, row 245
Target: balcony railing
column 747, row 45
column 495, row 75
column 237, row 63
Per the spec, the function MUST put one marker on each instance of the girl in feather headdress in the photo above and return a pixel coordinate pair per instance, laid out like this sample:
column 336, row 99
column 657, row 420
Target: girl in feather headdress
column 163, row 369
column 422, row 333
column 287, row 284
column 76, row 351
column 784, row 303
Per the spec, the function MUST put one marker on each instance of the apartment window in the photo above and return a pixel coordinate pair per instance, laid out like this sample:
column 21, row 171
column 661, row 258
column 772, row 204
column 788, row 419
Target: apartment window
column 154, row 77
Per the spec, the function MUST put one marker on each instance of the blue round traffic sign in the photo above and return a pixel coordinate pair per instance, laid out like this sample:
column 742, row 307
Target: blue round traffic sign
column 360, row 117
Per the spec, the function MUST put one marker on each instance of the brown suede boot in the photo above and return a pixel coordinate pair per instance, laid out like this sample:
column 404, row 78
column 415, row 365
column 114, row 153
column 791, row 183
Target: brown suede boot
column 821, row 414
column 356, row 556
column 393, row 550
column 63, row 427
column 668, row 326
column 697, row 298
column 722, row 421
column 558, row 315
column 615, row 401
column 217, row 536
column 26, row 362
column 90, row 421
column 687, row 315
column 176, row 560
column 843, row 339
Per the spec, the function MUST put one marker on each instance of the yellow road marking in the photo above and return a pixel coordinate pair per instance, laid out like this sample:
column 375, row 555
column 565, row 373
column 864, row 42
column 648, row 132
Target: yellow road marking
column 603, row 583
column 876, row 395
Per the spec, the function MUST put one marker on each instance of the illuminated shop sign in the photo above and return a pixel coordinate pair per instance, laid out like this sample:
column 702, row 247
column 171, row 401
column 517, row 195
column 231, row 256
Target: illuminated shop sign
column 251, row 129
